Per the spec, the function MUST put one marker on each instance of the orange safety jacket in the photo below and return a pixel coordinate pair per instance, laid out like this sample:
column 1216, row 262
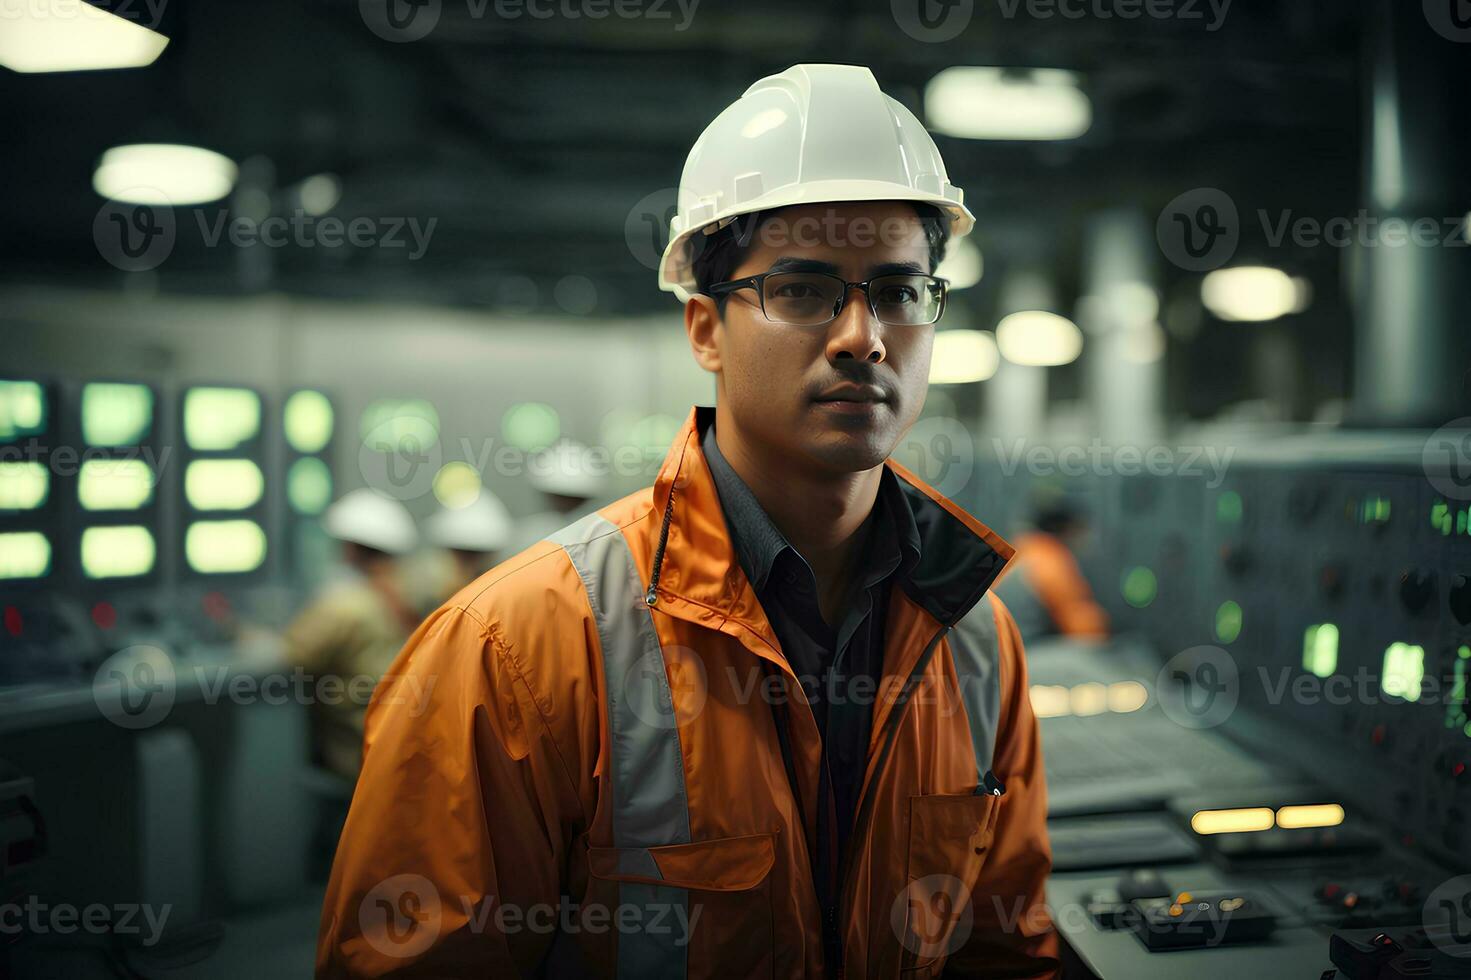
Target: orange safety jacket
column 595, row 761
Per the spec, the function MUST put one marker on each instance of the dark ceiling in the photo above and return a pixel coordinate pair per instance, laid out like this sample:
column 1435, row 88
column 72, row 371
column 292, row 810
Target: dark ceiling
column 534, row 142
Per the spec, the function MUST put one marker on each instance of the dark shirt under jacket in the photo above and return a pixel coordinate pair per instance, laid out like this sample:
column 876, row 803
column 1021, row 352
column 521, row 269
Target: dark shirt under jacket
column 787, row 590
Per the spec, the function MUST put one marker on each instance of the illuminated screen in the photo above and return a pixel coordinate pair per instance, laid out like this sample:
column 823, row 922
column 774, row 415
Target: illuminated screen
column 223, row 484
column 214, row 547
column 309, row 486
column 116, row 552
column 531, row 425
column 24, row 554
column 23, row 486
column 392, row 425
column 116, row 414
column 220, row 418
column 457, row 484
column 114, row 484
column 22, row 409
column 308, row 421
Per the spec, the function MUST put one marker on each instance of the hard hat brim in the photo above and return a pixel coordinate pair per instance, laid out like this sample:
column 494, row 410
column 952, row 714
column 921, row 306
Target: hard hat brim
column 676, row 269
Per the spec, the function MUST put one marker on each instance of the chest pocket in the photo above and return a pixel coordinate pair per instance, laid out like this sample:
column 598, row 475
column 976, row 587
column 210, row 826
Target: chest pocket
column 949, row 839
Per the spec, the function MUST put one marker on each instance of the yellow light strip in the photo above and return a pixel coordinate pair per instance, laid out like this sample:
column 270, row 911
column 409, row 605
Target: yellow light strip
column 1314, row 815
column 1245, row 820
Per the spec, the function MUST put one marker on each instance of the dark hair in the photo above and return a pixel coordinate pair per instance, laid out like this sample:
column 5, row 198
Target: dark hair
column 717, row 256
column 1059, row 517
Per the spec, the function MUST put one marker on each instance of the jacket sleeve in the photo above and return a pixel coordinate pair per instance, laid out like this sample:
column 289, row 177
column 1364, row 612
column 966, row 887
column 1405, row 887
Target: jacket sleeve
column 1012, row 935
column 469, row 797
column 1055, row 575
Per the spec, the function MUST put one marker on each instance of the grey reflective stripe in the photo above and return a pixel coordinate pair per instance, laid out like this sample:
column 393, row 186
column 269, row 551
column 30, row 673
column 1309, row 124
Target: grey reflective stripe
column 650, row 808
column 974, row 649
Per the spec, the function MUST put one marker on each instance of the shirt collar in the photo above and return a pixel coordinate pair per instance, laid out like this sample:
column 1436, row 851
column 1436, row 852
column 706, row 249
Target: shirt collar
column 893, row 538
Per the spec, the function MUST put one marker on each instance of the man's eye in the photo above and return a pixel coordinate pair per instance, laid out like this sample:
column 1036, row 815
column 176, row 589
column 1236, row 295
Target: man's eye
column 898, row 294
column 797, row 290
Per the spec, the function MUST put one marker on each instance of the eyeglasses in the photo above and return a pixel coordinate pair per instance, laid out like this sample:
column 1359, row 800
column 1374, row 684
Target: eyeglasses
column 810, row 299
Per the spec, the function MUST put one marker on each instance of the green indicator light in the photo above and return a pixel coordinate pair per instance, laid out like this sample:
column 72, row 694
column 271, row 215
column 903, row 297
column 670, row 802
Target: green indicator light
column 1374, row 510
column 1140, row 587
column 1228, row 507
column 1228, row 621
column 1404, row 670
column 1320, row 649
column 1440, row 518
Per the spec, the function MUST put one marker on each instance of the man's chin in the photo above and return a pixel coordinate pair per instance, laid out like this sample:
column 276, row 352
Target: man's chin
column 851, row 450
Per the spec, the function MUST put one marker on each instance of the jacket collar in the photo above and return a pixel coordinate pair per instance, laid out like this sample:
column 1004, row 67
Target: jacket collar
column 694, row 558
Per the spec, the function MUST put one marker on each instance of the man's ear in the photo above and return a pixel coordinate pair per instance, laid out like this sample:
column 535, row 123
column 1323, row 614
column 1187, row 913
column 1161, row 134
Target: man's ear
column 702, row 325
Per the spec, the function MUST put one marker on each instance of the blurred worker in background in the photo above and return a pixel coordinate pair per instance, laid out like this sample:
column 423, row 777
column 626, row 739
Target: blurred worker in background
column 568, row 478
column 356, row 624
column 1043, row 586
column 470, row 539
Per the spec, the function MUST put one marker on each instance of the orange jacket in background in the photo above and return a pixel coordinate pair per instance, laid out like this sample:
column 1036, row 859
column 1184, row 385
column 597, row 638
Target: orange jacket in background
column 578, row 767
column 1046, row 568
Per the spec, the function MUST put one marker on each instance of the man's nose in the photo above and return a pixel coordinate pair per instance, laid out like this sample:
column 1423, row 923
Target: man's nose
column 856, row 332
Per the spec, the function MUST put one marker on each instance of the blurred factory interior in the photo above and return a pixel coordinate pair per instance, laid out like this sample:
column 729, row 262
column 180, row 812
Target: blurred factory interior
column 1211, row 333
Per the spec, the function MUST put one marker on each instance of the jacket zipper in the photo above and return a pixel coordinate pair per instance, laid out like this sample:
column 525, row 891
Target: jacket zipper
column 832, row 934
column 865, row 806
column 652, row 595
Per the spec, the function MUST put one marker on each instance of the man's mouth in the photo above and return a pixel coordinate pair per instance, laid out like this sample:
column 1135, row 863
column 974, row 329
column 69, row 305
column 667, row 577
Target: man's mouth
column 852, row 392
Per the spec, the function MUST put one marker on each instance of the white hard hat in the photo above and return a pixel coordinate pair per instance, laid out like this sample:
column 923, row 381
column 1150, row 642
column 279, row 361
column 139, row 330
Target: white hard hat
column 567, row 468
column 367, row 517
column 484, row 525
column 810, row 135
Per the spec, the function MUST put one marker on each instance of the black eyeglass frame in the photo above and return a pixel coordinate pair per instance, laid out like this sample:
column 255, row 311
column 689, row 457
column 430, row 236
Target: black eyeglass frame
column 758, row 282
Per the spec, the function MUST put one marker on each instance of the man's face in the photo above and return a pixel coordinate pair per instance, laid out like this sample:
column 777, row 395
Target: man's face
column 838, row 396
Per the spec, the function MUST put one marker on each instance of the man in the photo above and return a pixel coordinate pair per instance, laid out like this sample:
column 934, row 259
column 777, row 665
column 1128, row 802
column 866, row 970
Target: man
column 1043, row 585
column 353, row 628
column 759, row 719
column 468, row 540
